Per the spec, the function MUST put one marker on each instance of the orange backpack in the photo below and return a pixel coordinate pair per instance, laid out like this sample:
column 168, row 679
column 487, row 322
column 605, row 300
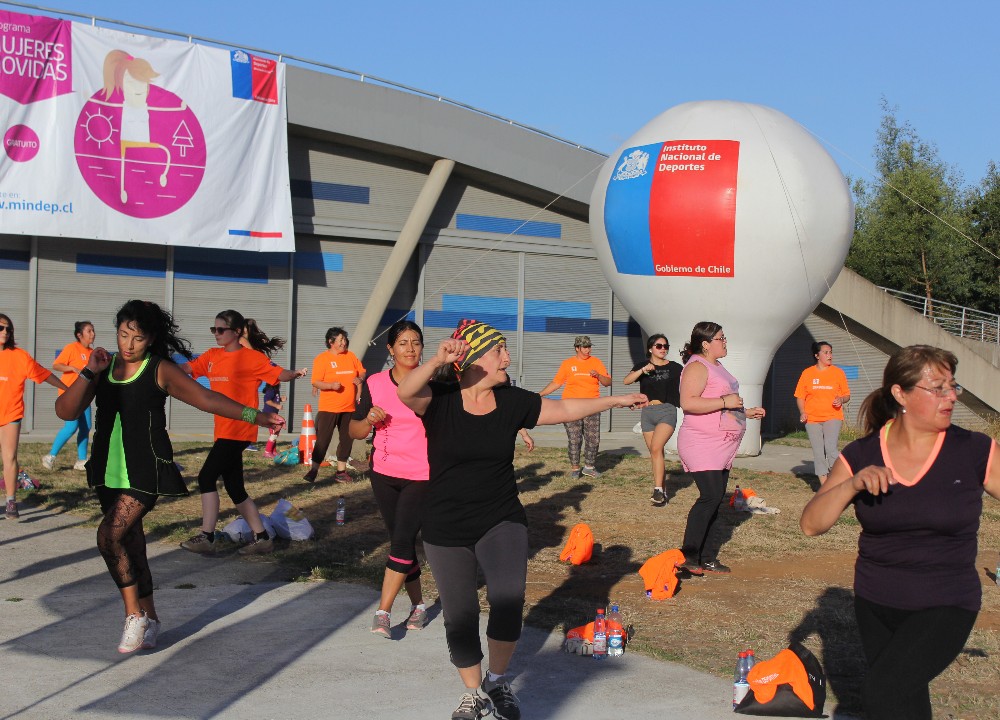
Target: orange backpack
column 580, row 545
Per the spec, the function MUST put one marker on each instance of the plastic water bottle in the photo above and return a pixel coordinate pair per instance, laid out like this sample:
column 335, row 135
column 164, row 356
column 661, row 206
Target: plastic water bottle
column 616, row 633
column 341, row 511
column 739, row 502
column 600, row 636
column 751, row 660
column 740, row 685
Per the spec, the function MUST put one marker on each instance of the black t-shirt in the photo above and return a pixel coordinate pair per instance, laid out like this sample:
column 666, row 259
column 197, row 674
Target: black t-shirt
column 663, row 384
column 472, row 485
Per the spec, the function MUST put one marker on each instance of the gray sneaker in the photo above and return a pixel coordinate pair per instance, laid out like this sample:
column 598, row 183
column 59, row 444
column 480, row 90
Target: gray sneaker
column 575, row 474
column 471, row 706
column 47, row 461
column 199, row 544
column 149, row 637
column 11, row 510
column 381, row 625
column 590, row 471
column 417, row 619
column 257, row 547
column 658, row 498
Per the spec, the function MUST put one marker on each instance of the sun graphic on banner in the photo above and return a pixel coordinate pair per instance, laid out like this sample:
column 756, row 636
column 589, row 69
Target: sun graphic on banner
column 98, row 127
column 139, row 147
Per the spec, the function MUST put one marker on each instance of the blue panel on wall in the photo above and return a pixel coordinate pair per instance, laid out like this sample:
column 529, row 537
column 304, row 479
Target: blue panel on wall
column 442, row 319
column 120, row 265
column 327, row 261
column 310, row 189
column 508, row 226
column 630, row 328
column 474, row 305
column 14, row 259
column 225, row 265
column 556, row 308
column 850, row 371
column 392, row 315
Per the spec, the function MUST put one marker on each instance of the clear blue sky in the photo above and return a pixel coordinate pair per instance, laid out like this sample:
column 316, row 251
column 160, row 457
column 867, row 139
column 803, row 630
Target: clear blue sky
column 596, row 71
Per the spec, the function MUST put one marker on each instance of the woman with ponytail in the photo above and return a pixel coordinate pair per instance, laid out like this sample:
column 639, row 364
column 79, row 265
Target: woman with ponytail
column 916, row 483
column 236, row 371
column 132, row 462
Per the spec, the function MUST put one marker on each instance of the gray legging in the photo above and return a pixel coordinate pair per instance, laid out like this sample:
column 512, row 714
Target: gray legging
column 823, row 437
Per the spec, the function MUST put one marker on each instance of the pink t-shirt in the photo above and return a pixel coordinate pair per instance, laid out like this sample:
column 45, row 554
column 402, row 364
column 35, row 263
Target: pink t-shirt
column 399, row 449
column 709, row 441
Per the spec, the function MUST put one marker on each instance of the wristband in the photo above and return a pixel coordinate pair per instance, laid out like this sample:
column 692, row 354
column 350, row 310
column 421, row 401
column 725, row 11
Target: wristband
column 249, row 415
column 88, row 374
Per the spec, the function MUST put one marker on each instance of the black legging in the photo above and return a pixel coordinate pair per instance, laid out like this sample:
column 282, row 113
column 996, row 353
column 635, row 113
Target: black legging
column 906, row 649
column 502, row 553
column 225, row 460
column 400, row 502
column 120, row 538
column 712, row 486
column 326, row 423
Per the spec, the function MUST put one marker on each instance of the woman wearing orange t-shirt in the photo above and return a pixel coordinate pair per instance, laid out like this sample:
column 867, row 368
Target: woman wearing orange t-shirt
column 583, row 376
column 820, row 394
column 236, row 372
column 16, row 366
column 337, row 375
column 70, row 362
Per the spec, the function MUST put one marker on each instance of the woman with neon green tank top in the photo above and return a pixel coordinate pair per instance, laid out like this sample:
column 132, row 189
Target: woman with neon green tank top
column 132, row 464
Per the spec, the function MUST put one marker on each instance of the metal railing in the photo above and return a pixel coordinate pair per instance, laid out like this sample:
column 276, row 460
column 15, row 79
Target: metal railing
column 958, row 320
column 283, row 57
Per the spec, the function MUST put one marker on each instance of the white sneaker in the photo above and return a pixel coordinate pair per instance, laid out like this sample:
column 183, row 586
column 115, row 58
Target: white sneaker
column 134, row 633
column 80, row 465
column 149, row 637
column 47, row 461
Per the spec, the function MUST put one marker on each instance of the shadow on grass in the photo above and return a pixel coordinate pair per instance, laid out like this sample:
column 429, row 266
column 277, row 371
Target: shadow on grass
column 546, row 518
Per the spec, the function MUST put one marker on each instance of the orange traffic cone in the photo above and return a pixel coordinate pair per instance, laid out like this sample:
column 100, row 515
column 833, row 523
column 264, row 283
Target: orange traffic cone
column 307, row 438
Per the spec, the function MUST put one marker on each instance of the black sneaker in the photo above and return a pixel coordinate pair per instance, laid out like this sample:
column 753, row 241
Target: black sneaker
column 714, row 566
column 505, row 705
column 691, row 568
column 658, row 498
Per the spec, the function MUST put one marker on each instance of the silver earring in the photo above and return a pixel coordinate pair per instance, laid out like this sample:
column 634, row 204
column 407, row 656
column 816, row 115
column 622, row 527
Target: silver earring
column 392, row 359
column 904, row 411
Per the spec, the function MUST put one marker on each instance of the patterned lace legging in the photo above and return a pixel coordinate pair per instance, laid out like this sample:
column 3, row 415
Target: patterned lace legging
column 120, row 537
column 578, row 431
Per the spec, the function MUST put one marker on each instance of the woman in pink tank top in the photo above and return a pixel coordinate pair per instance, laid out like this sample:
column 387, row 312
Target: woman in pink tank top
column 399, row 471
column 710, row 434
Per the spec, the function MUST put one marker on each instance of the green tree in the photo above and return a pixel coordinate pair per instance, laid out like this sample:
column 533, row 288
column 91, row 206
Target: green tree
column 909, row 226
column 984, row 227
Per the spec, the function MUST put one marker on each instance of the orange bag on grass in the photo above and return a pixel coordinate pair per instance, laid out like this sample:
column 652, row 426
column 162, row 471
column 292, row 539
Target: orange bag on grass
column 791, row 684
column 586, row 632
column 580, row 546
column 659, row 574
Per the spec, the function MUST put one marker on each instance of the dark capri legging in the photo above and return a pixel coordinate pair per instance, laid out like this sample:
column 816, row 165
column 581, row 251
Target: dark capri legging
column 400, row 502
column 225, row 460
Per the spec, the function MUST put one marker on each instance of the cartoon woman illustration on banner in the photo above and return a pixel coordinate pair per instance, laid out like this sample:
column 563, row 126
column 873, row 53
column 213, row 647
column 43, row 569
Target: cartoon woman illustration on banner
column 132, row 76
column 156, row 126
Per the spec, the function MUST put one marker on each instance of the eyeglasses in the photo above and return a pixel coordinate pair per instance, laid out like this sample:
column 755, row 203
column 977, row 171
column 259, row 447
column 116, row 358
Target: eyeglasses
column 218, row 330
column 661, row 346
column 943, row 390
column 721, row 337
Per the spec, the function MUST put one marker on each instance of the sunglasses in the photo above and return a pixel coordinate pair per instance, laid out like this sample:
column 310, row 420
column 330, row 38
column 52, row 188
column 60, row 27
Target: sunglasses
column 4, row 327
column 218, row 330
column 661, row 346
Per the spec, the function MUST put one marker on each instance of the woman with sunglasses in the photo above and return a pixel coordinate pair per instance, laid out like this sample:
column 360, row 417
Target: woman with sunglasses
column 70, row 362
column 710, row 435
column 821, row 394
column 16, row 367
column 659, row 380
column 916, row 483
column 235, row 371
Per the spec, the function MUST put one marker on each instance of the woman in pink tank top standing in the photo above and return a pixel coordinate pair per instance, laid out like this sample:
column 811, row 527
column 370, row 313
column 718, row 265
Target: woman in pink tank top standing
column 710, row 434
column 399, row 472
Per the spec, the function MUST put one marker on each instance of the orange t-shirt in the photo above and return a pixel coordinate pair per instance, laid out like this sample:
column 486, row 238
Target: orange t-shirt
column 337, row 367
column 817, row 389
column 236, row 375
column 16, row 366
column 574, row 373
column 75, row 355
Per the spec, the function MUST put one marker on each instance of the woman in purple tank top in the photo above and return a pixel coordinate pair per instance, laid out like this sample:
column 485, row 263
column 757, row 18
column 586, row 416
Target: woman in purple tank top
column 916, row 483
column 710, row 434
column 399, row 471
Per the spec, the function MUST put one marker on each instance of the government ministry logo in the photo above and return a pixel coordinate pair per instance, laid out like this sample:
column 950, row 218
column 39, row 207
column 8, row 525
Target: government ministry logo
column 633, row 166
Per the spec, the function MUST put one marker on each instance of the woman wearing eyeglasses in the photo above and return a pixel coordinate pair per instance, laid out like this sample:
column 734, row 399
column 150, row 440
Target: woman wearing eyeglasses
column 916, row 483
column 821, row 394
column 659, row 380
column 16, row 367
column 235, row 371
column 713, row 426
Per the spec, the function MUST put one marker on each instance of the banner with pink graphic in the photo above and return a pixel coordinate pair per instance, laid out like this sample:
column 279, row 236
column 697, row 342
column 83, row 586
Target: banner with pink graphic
column 115, row 136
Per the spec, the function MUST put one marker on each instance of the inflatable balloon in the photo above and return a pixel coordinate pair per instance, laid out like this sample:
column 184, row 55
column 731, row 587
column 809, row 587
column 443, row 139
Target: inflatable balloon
column 723, row 211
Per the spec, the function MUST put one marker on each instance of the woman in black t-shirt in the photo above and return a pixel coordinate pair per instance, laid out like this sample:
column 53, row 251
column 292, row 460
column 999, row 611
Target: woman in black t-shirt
column 660, row 381
column 916, row 482
column 472, row 515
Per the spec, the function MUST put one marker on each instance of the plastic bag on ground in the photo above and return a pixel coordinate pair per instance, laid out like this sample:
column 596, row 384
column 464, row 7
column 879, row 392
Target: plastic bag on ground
column 238, row 530
column 278, row 519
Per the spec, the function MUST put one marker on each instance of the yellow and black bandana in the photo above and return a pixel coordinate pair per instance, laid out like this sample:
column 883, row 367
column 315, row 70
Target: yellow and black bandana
column 481, row 338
